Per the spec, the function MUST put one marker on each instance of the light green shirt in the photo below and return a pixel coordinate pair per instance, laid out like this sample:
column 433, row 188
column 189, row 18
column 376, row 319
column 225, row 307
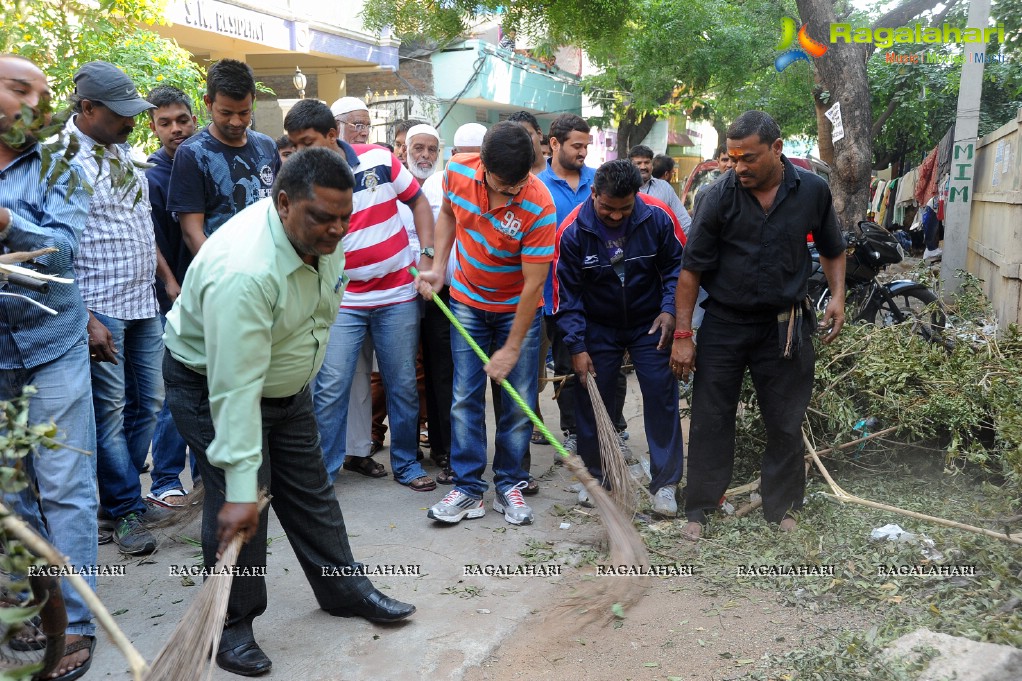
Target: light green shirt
column 254, row 319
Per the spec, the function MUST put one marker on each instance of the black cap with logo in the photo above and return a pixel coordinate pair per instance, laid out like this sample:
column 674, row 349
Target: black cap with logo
column 100, row 81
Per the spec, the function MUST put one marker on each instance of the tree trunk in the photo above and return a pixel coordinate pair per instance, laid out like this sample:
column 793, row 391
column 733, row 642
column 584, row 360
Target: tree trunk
column 842, row 73
column 631, row 130
column 823, row 128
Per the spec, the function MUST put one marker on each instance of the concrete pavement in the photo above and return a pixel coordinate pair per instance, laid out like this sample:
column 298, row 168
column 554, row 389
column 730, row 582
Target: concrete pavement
column 460, row 620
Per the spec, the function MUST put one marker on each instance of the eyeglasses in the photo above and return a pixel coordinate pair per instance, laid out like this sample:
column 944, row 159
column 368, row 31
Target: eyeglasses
column 506, row 189
column 360, row 127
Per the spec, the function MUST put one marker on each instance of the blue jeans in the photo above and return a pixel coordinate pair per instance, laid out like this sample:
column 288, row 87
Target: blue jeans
column 395, row 333
column 468, row 418
column 126, row 397
column 169, row 450
column 65, row 477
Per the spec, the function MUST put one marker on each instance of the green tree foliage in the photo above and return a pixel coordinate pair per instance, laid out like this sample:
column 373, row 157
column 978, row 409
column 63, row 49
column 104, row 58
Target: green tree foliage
column 590, row 24
column 61, row 35
column 715, row 60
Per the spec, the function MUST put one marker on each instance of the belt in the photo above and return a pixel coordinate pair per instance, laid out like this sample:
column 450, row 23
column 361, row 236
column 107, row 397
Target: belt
column 283, row 401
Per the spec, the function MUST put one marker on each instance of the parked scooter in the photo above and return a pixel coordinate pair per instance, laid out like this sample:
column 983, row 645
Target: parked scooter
column 870, row 250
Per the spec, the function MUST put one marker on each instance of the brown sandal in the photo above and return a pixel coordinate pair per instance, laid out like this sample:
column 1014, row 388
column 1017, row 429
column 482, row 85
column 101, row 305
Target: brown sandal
column 421, row 484
column 365, row 465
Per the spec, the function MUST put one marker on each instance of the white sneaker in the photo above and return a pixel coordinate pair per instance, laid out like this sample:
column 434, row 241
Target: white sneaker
column 664, row 502
column 570, row 443
column 626, row 451
column 455, row 506
column 933, row 255
column 511, row 503
column 584, row 500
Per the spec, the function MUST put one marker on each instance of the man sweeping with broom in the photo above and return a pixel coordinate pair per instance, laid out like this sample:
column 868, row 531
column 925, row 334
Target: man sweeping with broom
column 616, row 262
column 244, row 340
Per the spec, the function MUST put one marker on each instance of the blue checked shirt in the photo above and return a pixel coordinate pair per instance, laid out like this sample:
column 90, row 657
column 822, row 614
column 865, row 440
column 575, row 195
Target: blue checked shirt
column 41, row 217
column 116, row 268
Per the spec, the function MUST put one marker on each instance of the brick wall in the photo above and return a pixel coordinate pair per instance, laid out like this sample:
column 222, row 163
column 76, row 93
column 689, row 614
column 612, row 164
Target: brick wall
column 418, row 74
column 284, row 87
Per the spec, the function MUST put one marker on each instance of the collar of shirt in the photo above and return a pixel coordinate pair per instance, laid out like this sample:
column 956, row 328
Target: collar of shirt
column 586, row 175
column 88, row 144
column 287, row 256
column 789, row 183
column 32, row 151
column 349, row 153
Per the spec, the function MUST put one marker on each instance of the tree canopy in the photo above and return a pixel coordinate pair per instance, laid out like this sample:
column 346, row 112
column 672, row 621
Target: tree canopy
column 61, row 35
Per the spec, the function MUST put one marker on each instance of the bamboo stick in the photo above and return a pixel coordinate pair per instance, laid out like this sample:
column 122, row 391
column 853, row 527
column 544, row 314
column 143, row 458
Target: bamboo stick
column 17, row 527
column 749, row 508
column 842, row 496
column 742, row 489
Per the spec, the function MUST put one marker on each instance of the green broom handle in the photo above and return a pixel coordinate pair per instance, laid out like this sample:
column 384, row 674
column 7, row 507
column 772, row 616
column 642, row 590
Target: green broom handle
column 536, row 421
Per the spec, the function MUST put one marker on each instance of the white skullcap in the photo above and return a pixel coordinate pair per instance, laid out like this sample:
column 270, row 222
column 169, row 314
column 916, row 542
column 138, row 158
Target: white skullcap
column 421, row 129
column 470, row 135
column 347, row 105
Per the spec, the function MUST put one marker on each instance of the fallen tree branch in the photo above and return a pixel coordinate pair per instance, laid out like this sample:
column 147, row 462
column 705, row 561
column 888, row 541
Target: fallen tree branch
column 842, row 496
column 20, row 530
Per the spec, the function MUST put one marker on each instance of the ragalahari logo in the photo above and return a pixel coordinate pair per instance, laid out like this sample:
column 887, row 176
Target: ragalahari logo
column 807, row 46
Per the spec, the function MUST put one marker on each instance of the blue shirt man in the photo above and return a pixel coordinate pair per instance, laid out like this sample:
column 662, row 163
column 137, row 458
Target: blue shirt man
column 49, row 352
column 570, row 182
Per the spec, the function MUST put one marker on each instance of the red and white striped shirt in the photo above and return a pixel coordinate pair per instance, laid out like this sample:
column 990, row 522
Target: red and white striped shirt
column 376, row 249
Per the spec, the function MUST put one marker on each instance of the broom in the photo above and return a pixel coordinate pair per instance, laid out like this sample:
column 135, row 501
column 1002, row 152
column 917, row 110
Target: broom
column 195, row 641
column 626, row 547
column 623, row 488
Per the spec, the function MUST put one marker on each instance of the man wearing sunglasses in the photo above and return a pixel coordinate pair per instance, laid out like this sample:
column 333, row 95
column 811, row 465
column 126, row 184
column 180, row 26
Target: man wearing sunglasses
column 504, row 220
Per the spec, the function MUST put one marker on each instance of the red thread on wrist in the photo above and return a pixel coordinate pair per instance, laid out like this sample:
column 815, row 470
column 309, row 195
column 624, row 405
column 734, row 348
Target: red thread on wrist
column 678, row 335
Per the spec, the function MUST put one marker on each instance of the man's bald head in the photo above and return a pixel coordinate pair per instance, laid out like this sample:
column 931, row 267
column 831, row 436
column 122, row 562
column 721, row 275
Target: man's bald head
column 21, row 83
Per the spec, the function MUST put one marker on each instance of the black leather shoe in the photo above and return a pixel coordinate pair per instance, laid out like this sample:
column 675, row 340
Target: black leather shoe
column 376, row 607
column 247, row 659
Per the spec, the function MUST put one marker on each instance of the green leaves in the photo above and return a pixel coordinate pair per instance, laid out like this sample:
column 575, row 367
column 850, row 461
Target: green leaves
column 61, row 35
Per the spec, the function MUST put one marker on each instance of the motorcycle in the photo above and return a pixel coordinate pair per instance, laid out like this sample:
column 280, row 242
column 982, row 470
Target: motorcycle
column 871, row 248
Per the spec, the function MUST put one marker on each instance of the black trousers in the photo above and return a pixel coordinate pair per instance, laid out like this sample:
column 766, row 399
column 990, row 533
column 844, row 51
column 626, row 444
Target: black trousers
column 783, row 388
column 303, row 499
column 439, row 368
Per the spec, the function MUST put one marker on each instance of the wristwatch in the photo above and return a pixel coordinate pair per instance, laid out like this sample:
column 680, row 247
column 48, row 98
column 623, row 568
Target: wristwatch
column 427, row 251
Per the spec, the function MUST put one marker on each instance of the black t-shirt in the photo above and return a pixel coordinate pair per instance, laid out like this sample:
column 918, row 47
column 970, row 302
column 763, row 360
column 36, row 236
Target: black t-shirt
column 218, row 180
column 168, row 231
column 755, row 262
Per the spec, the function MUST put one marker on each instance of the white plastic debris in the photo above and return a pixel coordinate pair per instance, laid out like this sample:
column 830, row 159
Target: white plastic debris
column 894, row 532
column 891, row 532
column 565, row 526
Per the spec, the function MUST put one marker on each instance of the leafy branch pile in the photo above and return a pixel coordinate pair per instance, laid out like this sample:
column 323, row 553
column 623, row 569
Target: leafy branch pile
column 960, row 393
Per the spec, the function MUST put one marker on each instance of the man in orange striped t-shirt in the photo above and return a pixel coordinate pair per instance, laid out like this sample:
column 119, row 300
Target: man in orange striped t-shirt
column 504, row 221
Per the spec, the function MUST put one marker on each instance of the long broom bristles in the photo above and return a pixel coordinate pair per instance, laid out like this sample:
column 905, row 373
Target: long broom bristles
column 623, row 488
column 194, row 643
column 626, row 547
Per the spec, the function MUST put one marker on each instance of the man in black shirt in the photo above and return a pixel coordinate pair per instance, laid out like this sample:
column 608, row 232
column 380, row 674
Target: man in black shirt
column 747, row 248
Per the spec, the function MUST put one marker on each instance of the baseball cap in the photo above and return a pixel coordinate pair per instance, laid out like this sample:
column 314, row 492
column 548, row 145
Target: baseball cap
column 100, row 81
column 422, row 129
column 469, row 135
column 347, row 105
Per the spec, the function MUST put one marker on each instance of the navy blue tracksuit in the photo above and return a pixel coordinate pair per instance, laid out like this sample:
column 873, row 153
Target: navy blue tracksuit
column 605, row 308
